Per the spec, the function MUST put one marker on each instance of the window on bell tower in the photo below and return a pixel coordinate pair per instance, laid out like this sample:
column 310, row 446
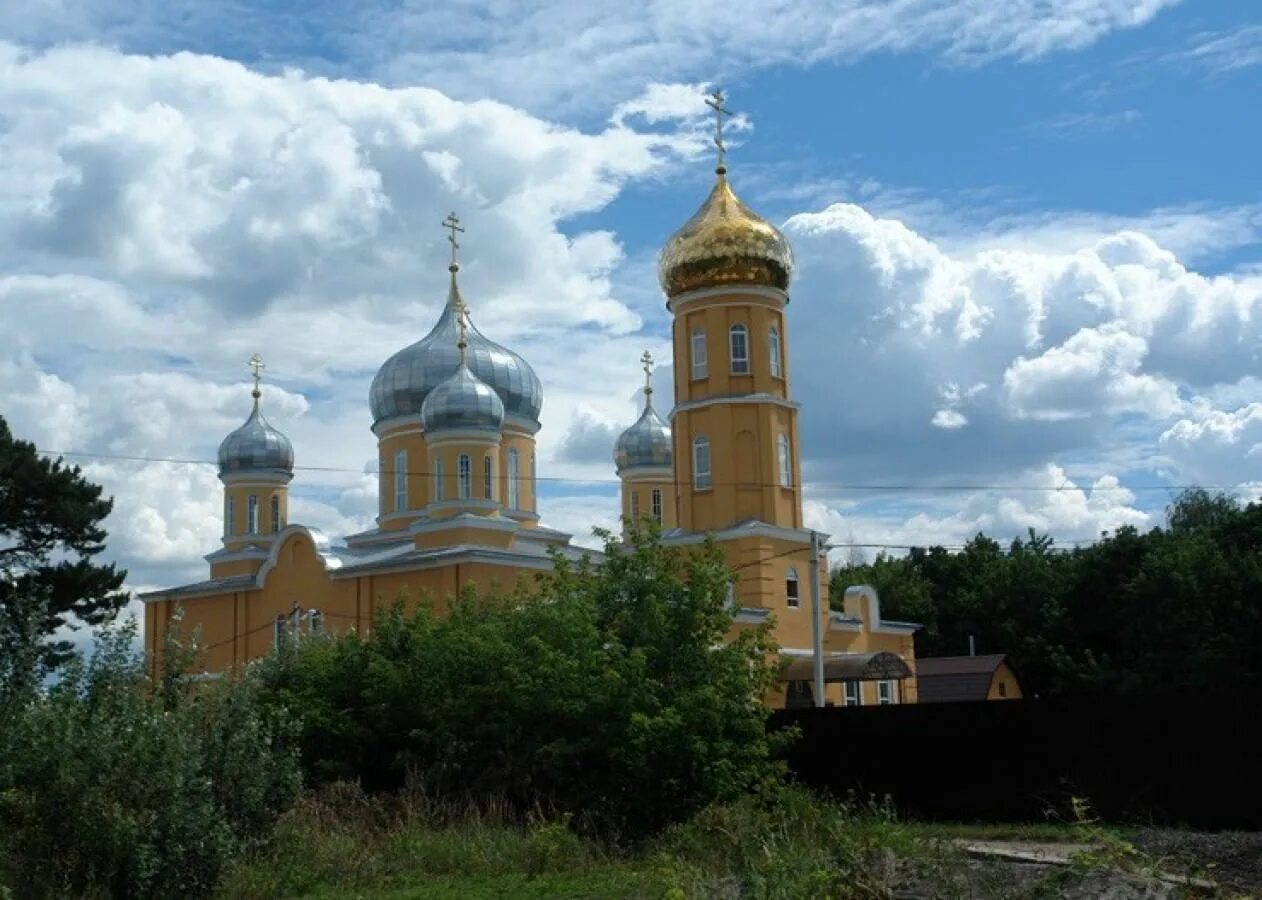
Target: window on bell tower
column 739, row 337
column 465, row 476
column 438, row 479
column 514, row 473
column 699, row 367
column 657, row 505
column 635, row 508
column 252, row 515
column 786, row 460
column 276, row 523
column 773, row 349
column 488, row 482
column 701, row 464
column 229, row 516
column 401, row 481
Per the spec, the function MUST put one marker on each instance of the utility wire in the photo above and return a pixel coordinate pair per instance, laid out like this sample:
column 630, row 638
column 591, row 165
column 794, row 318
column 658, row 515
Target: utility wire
column 895, row 487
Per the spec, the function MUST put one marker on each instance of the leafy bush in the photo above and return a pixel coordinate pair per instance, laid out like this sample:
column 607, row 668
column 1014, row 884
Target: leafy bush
column 112, row 785
column 613, row 692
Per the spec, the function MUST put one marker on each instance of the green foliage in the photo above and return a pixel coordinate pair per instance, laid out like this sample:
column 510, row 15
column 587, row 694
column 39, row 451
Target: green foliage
column 1176, row 608
column 50, row 532
column 611, row 692
column 111, row 787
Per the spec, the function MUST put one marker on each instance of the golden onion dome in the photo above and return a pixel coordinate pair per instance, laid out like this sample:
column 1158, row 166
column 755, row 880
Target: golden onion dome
column 725, row 242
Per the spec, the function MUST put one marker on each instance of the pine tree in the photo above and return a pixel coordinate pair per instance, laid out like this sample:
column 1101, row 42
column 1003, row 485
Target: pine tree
column 50, row 535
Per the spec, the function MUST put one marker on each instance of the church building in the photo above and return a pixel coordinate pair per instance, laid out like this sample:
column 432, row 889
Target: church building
column 456, row 415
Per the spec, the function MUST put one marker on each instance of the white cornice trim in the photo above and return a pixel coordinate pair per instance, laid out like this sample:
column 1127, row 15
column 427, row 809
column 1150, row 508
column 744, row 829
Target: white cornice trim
column 223, row 554
column 271, row 478
column 752, row 529
column 647, row 473
column 480, row 436
column 731, row 293
column 385, row 425
column 737, row 399
column 518, row 425
column 404, row 432
column 465, row 520
column 521, row 515
column 468, row 503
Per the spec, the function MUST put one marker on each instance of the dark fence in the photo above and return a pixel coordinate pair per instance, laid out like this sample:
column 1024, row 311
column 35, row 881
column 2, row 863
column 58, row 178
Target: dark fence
column 1185, row 760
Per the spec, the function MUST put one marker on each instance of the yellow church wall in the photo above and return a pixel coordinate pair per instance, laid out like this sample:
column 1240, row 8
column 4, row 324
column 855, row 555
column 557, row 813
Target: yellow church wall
column 714, row 316
column 234, row 567
column 467, row 534
column 524, row 444
column 409, row 439
column 1004, row 684
column 449, row 452
column 642, row 488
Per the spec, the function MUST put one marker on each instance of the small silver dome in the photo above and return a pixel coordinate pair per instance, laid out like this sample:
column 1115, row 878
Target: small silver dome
column 463, row 401
column 646, row 443
column 404, row 381
column 256, row 447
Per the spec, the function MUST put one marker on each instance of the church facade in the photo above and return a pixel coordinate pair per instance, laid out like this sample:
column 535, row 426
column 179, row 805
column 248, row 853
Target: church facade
column 456, row 414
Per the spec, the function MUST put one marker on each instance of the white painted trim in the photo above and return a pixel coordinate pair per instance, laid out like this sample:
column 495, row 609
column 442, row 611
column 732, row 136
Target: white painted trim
column 404, row 430
column 262, row 478
column 397, row 516
column 729, row 295
column 741, row 399
column 646, row 474
column 754, row 529
column 223, row 554
column 480, row 436
column 464, row 520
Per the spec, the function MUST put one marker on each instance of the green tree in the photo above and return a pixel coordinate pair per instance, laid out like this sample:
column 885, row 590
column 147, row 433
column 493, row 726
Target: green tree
column 50, row 536
column 611, row 691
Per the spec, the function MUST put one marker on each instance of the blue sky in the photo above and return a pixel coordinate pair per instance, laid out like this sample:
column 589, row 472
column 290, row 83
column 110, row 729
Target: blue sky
column 1029, row 240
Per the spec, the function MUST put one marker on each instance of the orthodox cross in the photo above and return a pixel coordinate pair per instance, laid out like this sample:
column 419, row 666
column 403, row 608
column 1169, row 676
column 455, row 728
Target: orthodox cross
column 452, row 224
column 256, row 366
column 715, row 102
column 646, row 361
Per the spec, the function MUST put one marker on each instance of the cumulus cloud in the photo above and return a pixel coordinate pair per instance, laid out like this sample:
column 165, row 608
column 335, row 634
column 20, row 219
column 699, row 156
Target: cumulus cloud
column 591, row 55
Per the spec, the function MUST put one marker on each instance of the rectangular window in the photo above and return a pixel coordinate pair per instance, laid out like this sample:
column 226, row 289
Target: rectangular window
column 315, row 621
column 534, row 485
column 230, row 517
column 698, row 354
column 401, row 481
column 252, row 515
column 465, row 476
column 886, row 692
column 438, row 480
column 488, row 480
column 740, row 350
column 852, row 695
column 514, row 473
column 657, row 505
column 635, row 507
column 773, row 348
column 280, row 631
column 701, row 464
column 276, row 513
column 786, row 461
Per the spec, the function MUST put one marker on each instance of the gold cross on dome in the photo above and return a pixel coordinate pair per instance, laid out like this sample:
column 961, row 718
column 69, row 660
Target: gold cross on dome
column 452, row 224
column 646, row 361
column 256, row 366
column 715, row 102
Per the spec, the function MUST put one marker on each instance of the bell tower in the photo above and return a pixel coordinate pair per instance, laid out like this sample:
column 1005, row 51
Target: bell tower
column 726, row 275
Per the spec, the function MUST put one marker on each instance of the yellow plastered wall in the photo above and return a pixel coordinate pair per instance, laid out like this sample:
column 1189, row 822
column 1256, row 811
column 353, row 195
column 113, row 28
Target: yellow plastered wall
column 408, row 439
column 642, row 488
column 524, row 444
column 449, row 453
column 237, row 627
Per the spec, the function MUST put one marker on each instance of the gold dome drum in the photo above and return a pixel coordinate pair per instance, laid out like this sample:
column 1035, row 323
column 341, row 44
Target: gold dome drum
column 724, row 243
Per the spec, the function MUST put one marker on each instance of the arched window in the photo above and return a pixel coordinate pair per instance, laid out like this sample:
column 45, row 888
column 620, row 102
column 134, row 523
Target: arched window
column 488, row 480
column 464, row 481
column 786, row 460
column 514, row 473
column 276, row 513
column 252, row 515
column 534, row 485
column 401, row 481
column 773, row 348
column 699, row 368
column 657, row 505
column 315, row 621
column 791, row 595
column 635, row 508
column 229, row 516
column 739, row 338
column 701, row 464
column 381, row 484
column 438, row 479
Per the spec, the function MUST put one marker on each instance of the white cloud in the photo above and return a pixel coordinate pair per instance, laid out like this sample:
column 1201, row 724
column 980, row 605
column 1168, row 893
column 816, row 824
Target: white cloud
column 592, row 55
column 1224, row 52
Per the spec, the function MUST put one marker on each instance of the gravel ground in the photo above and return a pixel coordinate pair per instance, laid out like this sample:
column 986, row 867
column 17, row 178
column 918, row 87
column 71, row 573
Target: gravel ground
column 1233, row 859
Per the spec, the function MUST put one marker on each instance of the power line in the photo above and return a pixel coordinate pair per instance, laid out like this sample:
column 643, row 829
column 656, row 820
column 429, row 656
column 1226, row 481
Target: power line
column 894, row 487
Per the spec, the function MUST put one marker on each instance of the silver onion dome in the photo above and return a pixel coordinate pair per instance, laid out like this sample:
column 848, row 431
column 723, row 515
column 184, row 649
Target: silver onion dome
column 646, row 443
column 462, row 401
column 406, row 379
column 256, row 447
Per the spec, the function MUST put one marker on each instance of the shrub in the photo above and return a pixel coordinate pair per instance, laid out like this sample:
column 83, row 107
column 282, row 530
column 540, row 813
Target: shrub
column 112, row 786
column 613, row 692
